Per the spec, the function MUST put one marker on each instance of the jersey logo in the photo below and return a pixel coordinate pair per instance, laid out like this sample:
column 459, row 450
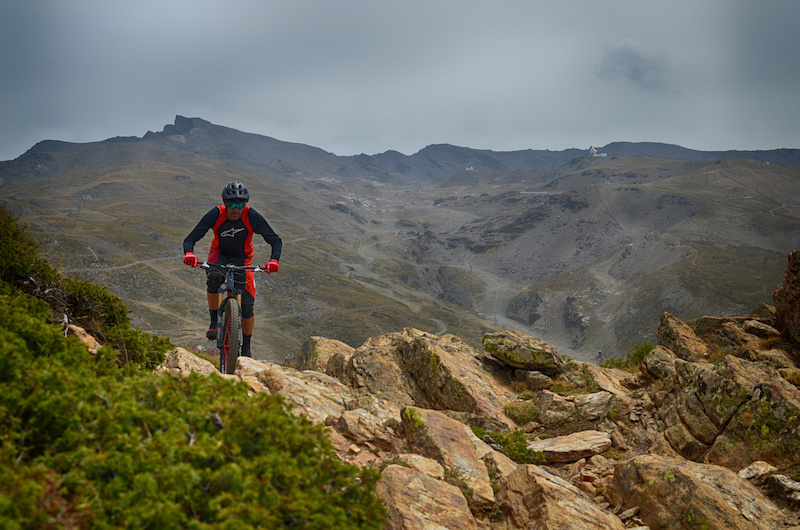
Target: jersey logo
column 231, row 232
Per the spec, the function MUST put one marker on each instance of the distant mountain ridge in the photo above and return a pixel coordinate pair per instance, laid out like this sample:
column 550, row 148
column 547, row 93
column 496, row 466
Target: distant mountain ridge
column 582, row 251
column 50, row 158
column 784, row 157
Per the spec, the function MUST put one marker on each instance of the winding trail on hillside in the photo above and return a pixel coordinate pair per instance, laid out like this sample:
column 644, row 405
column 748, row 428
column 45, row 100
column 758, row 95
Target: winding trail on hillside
column 106, row 268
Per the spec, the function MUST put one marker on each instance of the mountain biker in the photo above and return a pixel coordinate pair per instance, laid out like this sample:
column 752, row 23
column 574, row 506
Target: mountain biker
column 233, row 224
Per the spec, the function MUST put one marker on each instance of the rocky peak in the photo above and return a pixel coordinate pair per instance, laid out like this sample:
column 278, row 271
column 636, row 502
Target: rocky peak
column 702, row 433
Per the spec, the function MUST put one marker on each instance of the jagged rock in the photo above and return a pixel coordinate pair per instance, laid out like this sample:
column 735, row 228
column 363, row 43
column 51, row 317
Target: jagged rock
column 91, row 343
column 415, row 500
column 430, row 467
column 760, row 329
column 764, row 313
column 356, row 417
column 682, row 441
column 709, row 328
column 522, row 351
column 452, row 444
column 553, row 409
column 756, row 471
column 479, row 420
column 572, row 447
column 448, row 372
column 317, row 351
column 532, row 380
column 374, row 367
column 593, row 406
column 550, row 408
column 787, row 300
column 414, row 391
column 681, row 494
column 611, row 380
column 416, row 368
column 361, row 426
column 776, row 358
column 314, row 394
column 730, row 413
column 247, row 370
column 498, row 464
column 706, row 401
column 248, row 367
column 660, row 363
column 185, row 362
column 678, row 337
column 758, row 410
column 740, row 335
column 541, row 500
column 785, row 487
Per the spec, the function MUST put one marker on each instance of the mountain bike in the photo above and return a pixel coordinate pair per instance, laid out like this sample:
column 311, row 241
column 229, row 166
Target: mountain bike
column 229, row 314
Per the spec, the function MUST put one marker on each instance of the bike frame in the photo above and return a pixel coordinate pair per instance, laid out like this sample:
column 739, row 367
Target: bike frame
column 229, row 341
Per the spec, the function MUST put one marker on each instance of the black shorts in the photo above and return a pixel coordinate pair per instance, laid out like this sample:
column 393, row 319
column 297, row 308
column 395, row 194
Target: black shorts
column 243, row 280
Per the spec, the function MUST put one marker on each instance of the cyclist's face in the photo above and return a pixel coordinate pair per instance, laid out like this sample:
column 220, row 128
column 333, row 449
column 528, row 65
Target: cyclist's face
column 234, row 213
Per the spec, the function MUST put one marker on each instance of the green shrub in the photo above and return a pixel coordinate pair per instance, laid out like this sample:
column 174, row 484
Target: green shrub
column 513, row 444
column 137, row 347
column 148, row 450
column 522, row 412
column 97, row 310
column 86, row 443
column 19, row 253
column 90, row 306
column 633, row 357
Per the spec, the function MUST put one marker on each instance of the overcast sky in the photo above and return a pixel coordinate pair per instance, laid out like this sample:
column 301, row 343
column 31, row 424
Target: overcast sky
column 366, row 76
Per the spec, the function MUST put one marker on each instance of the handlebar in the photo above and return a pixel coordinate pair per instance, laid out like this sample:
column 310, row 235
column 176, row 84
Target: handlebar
column 231, row 267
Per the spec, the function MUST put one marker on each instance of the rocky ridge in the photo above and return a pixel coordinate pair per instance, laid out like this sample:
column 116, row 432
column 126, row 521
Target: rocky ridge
column 696, row 436
column 702, row 434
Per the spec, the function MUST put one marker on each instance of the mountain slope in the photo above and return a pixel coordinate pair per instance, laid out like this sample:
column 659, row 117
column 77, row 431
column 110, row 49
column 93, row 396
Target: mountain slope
column 585, row 254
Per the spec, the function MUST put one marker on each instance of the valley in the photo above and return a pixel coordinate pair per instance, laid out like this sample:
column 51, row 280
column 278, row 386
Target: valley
column 585, row 253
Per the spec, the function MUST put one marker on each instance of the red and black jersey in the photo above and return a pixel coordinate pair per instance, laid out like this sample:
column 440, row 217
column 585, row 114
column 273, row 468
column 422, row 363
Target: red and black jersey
column 233, row 239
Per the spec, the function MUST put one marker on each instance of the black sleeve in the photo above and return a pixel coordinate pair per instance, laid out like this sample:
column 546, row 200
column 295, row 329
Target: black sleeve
column 261, row 226
column 202, row 228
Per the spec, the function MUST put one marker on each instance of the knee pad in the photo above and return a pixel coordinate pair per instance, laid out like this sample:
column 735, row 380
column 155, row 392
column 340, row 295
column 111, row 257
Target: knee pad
column 213, row 280
column 247, row 310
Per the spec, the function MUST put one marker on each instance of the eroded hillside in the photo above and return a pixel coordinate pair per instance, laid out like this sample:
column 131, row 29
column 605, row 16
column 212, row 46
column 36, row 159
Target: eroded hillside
column 585, row 255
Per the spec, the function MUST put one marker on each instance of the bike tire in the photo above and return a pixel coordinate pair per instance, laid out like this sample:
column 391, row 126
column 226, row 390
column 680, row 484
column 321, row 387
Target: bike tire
column 231, row 335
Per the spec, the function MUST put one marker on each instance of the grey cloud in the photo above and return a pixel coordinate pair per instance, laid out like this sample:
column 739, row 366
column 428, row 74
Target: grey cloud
column 363, row 76
column 647, row 72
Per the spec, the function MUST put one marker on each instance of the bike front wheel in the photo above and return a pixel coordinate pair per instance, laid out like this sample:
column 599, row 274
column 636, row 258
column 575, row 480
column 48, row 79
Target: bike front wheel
column 231, row 336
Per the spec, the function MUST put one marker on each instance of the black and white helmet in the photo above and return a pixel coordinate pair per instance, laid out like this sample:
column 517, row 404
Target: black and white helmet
column 235, row 192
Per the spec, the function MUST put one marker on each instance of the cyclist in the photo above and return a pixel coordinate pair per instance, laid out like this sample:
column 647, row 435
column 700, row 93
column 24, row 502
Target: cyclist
column 233, row 224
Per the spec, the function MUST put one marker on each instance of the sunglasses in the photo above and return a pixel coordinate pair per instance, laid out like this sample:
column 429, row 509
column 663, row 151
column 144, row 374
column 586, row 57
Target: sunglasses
column 235, row 205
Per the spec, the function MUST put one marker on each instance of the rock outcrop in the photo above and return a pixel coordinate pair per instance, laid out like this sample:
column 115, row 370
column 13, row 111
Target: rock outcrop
column 787, row 300
column 704, row 433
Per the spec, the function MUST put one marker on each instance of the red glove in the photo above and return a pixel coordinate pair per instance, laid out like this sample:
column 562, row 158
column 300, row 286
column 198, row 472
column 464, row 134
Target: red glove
column 190, row 259
column 272, row 266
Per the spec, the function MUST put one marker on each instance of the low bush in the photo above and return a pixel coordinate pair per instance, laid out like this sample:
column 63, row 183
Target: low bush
column 19, row 259
column 522, row 412
column 633, row 357
column 90, row 306
column 85, row 442
column 513, row 444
